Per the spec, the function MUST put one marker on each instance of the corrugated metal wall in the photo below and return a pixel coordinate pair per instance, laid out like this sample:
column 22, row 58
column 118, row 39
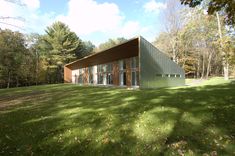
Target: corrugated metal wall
column 155, row 67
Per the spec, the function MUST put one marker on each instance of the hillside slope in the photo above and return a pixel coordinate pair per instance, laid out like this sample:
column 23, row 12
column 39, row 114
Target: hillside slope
column 73, row 120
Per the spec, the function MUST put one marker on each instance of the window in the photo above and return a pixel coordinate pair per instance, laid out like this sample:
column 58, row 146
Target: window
column 104, row 68
column 177, row 75
column 80, row 77
column 90, row 71
column 104, row 72
column 134, row 71
column 109, row 78
column 122, row 64
column 100, row 78
column 76, row 78
column 122, row 78
column 133, row 78
column 134, row 62
column 109, row 75
column 99, row 68
column 99, row 74
column 122, row 72
column 109, row 67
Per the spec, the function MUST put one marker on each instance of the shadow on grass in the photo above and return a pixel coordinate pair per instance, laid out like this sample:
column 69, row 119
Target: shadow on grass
column 74, row 120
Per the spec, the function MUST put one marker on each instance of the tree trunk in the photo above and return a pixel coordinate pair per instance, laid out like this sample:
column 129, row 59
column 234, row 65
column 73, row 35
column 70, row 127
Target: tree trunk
column 224, row 55
column 9, row 79
column 198, row 68
column 174, row 52
column 226, row 71
column 17, row 81
column 62, row 74
column 36, row 73
column 208, row 65
column 203, row 66
column 37, row 63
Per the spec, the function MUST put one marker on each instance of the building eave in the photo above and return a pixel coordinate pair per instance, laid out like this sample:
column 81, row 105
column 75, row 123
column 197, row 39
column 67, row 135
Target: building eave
column 103, row 51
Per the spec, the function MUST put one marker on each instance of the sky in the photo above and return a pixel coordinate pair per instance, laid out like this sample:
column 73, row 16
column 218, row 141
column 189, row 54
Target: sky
column 91, row 20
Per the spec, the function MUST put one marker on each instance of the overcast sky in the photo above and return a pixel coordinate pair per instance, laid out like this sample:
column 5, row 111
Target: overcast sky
column 93, row 20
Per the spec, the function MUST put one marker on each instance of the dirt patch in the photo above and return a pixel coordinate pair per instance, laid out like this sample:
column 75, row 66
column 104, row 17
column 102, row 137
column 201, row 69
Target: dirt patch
column 12, row 100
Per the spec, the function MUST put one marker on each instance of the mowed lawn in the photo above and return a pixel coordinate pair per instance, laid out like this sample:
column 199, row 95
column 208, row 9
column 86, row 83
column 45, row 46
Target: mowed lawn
column 74, row 120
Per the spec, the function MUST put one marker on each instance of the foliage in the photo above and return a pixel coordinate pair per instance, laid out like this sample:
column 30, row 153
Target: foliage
column 85, row 49
column 31, row 59
column 226, row 6
column 71, row 120
column 198, row 44
column 13, row 58
column 110, row 43
column 61, row 44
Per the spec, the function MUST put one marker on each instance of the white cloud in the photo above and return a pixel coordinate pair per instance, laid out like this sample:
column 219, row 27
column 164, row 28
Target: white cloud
column 31, row 4
column 89, row 19
column 154, row 7
column 23, row 17
column 88, row 16
column 130, row 28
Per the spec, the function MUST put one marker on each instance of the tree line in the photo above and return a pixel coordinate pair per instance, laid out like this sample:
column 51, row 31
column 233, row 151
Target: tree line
column 39, row 59
column 203, row 44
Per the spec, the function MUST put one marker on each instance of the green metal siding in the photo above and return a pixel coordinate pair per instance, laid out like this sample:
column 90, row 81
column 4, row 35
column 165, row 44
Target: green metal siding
column 154, row 64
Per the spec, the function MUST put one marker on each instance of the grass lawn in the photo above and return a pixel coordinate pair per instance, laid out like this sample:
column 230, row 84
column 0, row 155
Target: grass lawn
column 73, row 120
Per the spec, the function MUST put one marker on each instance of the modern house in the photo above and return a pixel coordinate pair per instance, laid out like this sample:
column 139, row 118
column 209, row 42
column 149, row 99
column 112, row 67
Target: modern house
column 134, row 63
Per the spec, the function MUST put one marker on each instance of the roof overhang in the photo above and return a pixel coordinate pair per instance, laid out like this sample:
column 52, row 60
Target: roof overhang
column 127, row 49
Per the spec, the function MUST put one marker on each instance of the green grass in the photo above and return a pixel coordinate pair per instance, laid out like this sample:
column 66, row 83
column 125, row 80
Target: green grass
column 73, row 120
column 211, row 81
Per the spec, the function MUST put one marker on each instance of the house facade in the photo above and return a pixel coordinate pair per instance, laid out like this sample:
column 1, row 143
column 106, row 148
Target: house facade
column 135, row 63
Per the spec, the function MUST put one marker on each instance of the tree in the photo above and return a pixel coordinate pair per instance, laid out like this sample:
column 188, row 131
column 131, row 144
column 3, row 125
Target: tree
column 201, row 31
column 226, row 6
column 12, row 52
column 62, row 41
column 86, row 48
column 173, row 24
column 35, row 45
column 62, row 44
column 111, row 42
column 163, row 44
column 198, row 44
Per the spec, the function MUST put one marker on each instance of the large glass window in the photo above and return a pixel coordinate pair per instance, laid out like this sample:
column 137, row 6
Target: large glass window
column 90, row 71
column 134, row 62
column 134, row 71
column 100, row 78
column 105, row 73
column 99, row 68
column 122, row 64
column 104, row 68
column 122, row 72
column 109, row 67
column 99, row 74
column 133, row 78
column 80, row 77
column 109, row 78
column 109, row 74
